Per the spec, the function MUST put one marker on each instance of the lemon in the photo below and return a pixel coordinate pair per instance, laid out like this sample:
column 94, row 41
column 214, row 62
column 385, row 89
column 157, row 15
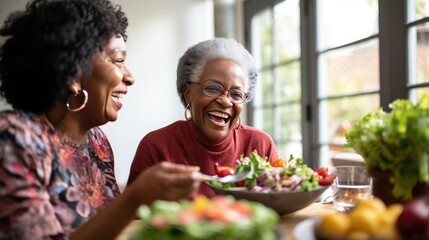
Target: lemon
column 358, row 235
column 392, row 212
column 386, row 233
column 364, row 219
column 374, row 203
column 334, row 224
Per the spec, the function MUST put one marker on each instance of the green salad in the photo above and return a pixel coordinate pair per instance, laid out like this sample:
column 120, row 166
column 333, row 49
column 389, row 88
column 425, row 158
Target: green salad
column 291, row 174
column 221, row 217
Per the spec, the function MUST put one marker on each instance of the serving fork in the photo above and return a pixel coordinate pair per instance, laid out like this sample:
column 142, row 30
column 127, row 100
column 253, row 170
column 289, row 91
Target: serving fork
column 226, row 179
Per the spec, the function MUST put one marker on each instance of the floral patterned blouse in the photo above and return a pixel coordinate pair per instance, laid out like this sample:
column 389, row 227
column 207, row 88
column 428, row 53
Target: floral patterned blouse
column 49, row 186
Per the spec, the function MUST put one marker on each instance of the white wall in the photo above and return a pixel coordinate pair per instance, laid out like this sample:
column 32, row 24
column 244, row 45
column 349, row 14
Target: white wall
column 159, row 32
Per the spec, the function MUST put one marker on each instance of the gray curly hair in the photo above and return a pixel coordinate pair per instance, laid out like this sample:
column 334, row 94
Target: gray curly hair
column 191, row 64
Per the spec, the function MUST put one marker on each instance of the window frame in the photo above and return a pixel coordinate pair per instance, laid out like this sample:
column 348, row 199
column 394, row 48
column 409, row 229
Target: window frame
column 392, row 38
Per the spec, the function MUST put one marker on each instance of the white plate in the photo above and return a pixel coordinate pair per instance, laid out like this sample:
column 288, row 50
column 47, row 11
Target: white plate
column 305, row 230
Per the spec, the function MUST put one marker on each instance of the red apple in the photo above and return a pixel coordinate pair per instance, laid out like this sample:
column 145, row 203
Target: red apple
column 413, row 222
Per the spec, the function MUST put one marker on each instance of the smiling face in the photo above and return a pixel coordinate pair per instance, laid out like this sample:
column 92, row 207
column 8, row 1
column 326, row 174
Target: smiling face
column 215, row 117
column 108, row 82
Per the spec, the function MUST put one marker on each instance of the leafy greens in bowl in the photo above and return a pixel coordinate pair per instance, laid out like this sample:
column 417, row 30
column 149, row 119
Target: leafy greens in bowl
column 396, row 142
column 286, row 188
column 263, row 177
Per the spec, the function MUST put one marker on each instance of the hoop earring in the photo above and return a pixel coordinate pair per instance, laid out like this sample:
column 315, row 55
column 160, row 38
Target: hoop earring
column 237, row 126
column 188, row 109
column 85, row 94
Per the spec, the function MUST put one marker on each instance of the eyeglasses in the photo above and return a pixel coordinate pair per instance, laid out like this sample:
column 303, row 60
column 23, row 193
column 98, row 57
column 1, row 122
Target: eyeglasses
column 215, row 90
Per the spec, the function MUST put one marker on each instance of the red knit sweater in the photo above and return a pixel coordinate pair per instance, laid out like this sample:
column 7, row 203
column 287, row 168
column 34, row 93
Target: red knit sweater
column 181, row 142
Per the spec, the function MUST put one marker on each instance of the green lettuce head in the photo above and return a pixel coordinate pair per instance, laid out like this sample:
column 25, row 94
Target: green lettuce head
column 396, row 142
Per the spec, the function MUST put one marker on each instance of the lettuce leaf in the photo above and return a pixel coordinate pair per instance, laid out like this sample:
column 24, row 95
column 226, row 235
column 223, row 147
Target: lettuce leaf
column 396, row 142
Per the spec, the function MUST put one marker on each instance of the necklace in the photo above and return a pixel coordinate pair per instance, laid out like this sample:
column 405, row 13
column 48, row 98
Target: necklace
column 47, row 121
column 63, row 136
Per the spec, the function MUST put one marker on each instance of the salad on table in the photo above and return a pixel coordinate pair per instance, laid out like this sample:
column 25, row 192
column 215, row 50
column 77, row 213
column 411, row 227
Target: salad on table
column 279, row 175
column 221, row 217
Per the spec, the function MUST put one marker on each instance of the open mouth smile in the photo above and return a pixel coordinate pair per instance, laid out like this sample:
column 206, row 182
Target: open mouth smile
column 117, row 99
column 219, row 118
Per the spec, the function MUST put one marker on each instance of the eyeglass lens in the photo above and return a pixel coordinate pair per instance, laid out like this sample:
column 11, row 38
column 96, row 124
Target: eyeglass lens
column 215, row 90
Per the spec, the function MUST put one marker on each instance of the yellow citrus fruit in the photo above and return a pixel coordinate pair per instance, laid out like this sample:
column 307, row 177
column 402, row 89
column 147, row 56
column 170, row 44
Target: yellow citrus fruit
column 386, row 233
column 392, row 212
column 358, row 235
column 374, row 203
column 334, row 224
column 364, row 219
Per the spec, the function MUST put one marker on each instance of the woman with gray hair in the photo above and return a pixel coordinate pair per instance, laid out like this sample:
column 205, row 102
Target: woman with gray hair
column 215, row 78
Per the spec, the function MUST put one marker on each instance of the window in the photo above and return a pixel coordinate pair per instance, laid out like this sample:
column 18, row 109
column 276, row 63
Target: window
column 276, row 47
column 347, row 71
column 324, row 64
column 418, row 48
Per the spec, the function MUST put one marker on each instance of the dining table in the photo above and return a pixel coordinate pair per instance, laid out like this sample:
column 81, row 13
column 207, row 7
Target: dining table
column 287, row 222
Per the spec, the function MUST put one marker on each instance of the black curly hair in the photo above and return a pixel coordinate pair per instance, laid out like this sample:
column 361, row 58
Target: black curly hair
column 49, row 45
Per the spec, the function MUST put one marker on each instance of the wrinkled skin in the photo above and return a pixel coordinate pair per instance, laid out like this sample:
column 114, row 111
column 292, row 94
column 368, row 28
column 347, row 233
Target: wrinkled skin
column 215, row 117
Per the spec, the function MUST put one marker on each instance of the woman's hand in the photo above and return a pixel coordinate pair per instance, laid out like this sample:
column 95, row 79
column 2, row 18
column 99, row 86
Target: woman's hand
column 164, row 181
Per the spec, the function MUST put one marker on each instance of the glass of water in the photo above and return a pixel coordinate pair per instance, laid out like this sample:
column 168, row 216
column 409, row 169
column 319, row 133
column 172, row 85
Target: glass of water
column 351, row 185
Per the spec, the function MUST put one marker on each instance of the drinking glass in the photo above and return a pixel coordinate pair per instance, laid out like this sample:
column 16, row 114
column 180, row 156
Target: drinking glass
column 351, row 185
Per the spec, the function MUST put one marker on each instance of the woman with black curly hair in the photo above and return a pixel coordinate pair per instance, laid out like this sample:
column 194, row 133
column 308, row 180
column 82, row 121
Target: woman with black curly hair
column 62, row 68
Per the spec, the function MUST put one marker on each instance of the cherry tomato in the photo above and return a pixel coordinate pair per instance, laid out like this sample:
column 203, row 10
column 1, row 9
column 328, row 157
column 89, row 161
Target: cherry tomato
column 327, row 179
column 240, row 184
column 322, row 172
column 278, row 163
column 223, row 171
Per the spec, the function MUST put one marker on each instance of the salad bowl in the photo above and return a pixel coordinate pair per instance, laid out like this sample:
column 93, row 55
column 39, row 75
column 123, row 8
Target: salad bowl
column 283, row 203
column 282, row 185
